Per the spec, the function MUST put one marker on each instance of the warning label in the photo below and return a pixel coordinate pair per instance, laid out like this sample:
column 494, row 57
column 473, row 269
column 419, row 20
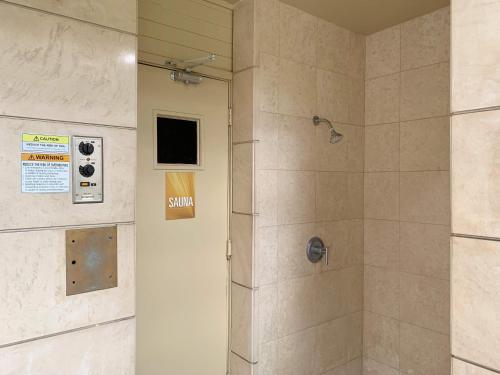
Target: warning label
column 56, row 144
column 45, row 173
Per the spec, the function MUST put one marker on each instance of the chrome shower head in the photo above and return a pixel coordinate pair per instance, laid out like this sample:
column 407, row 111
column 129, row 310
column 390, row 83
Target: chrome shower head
column 335, row 136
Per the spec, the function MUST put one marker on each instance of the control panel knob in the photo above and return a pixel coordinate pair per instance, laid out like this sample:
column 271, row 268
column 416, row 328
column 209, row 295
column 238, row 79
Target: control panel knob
column 86, row 148
column 87, row 171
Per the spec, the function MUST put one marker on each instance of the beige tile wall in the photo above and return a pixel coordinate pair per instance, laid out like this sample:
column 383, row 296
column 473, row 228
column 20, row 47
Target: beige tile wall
column 307, row 319
column 67, row 68
column 406, row 199
column 474, row 179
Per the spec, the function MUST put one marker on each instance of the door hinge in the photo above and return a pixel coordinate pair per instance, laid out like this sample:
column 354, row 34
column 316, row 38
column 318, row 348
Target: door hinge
column 230, row 117
column 229, row 250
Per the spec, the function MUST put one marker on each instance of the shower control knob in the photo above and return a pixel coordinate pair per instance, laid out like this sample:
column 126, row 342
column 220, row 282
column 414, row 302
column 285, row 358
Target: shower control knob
column 86, row 148
column 87, row 171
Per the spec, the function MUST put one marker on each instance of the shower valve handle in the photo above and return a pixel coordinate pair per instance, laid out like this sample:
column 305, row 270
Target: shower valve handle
column 316, row 250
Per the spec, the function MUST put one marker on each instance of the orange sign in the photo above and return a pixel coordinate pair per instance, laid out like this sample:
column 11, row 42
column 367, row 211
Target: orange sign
column 58, row 158
column 180, row 195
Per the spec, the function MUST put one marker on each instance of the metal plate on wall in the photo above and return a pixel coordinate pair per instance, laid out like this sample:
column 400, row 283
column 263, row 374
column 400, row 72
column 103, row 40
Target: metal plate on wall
column 91, row 260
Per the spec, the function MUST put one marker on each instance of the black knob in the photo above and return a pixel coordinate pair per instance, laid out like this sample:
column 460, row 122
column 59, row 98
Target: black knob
column 86, row 148
column 87, row 171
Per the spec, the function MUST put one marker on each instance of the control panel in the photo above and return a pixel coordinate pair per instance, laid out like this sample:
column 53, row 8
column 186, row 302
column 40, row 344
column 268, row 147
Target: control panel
column 87, row 169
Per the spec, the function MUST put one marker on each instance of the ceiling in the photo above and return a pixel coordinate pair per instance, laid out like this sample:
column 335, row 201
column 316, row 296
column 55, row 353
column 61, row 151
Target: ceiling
column 366, row 16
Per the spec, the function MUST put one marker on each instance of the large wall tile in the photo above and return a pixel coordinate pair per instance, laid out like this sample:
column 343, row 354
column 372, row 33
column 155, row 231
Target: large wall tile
column 425, row 302
column 476, row 174
column 119, row 14
column 476, row 54
column 266, row 198
column 297, row 89
column 67, row 70
column 464, row 368
column 425, row 92
column 239, row 366
column 297, row 353
column 33, row 286
column 371, row 367
column 425, row 249
column 382, row 195
column 265, row 255
column 296, row 194
column 242, row 259
column 243, row 105
column 243, row 36
column 268, row 315
column 242, row 306
column 425, row 144
column 425, row 197
column 292, row 260
column 57, row 208
column 267, row 26
column 102, row 350
column 381, row 243
column 426, row 40
column 476, row 301
column 381, row 339
column 382, row 100
column 423, row 351
column 296, row 143
column 382, row 148
column 332, row 43
column 243, row 177
column 268, row 83
column 266, row 132
column 354, row 367
column 381, row 291
column 333, row 95
column 383, row 52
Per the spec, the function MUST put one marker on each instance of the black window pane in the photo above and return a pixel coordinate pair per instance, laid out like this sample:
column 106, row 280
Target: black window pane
column 177, row 141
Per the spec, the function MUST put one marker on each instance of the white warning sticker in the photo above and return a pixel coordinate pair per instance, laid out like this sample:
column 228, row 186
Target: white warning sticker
column 53, row 144
column 44, row 173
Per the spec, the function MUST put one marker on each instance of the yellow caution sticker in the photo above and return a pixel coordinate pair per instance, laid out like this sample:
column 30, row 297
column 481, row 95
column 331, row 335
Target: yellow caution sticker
column 62, row 139
column 54, row 158
column 45, row 144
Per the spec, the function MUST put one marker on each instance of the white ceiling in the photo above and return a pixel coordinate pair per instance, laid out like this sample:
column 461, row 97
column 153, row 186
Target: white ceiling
column 366, row 16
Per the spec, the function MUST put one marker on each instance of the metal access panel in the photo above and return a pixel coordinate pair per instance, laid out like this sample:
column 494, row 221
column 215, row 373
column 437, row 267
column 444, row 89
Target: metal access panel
column 87, row 169
column 91, row 260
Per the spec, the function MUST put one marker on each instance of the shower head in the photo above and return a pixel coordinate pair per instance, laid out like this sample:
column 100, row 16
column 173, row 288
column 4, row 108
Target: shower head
column 335, row 136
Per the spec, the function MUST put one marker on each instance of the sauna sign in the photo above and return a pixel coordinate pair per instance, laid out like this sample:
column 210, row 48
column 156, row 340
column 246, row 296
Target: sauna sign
column 44, row 163
column 179, row 195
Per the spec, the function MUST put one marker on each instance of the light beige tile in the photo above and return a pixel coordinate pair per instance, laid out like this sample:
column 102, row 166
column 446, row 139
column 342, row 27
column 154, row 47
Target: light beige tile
column 381, row 291
column 423, row 351
column 338, row 293
column 58, row 210
column 382, row 148
column 242, row 300
column 356, row 101
column 425, row 92
column 382, row 195
column 33, row 286
column 382, row 100
column 357, row 53
column 266, row 198
column 297, row 35
column 297, row 89
column 296, row 143
column 269, row 81
column 371, row 367
column 464, row 368
column 266, row 132
column 297, row 353
column 267, row 26
column 381, row 339
column 243, row 178
column 243, row 105
column 425, row 302
column 239, row 366
column 268, row 359
column 332, row 45
column 42, row 65
column 344, row 240
column 383, row 52
column 118, row 14
column 268, row 314
column 243, row 35
column 105, row 349
column 296, row 193
column 425, row 249
column 425, row 144
column 339, row 195
column 333, row 93
column 242, row 249
column 381, row 243
column 475, row 174
column 296, row 305
column 475, row 50
column 266, row 255
column 425, row 40
column 425, row 197
column 339, row 341
column 475, row 300
column 292, row 259
column 354, row 367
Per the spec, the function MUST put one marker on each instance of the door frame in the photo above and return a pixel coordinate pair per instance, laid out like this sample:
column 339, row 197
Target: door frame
column 229, row 193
